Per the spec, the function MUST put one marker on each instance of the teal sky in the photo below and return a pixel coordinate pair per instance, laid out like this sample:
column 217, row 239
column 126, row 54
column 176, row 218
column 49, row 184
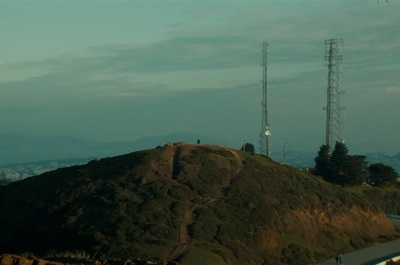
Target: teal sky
column 122, row 70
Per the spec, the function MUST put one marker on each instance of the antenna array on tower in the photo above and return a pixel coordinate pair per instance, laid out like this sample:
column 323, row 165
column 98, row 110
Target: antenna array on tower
column 265, row 133
column 334, row 123
column 284, row 152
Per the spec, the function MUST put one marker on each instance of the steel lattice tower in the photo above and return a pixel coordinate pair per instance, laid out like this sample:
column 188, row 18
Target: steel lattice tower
column 265, row 133
column 334, row 123
column 284, row 152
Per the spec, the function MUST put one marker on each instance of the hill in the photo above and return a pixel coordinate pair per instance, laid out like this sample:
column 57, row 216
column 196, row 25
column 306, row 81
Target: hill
column 18, row 148
column 194, row 204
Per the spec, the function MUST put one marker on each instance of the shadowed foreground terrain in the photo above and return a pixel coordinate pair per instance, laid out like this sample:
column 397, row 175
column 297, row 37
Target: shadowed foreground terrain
column 7, row 259
column 193, row 204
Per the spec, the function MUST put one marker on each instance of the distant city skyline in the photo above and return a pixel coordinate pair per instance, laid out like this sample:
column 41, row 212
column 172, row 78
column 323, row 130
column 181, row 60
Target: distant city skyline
column 122, row 70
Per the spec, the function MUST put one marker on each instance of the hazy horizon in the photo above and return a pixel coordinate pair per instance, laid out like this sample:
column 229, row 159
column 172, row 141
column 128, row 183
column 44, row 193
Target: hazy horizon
column 122, row 70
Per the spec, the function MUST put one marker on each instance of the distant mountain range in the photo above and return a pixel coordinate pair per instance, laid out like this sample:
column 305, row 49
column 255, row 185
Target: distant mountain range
column 19, row 149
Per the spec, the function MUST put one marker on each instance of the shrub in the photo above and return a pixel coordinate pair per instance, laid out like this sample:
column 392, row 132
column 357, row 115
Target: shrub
column 297, row 255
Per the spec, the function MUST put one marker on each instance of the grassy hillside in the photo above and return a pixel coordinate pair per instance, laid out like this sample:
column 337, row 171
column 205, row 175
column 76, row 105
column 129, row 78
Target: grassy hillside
column 384, row 199
column 190, row 203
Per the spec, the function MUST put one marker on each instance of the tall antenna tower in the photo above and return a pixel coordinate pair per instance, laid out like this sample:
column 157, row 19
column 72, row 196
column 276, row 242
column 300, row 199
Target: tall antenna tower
column 334, row 123
column 265, row 133
column 284, row 152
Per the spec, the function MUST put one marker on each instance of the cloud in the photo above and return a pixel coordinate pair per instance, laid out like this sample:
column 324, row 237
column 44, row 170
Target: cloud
column 114, row 61
column 393, row 90
column 234, row 40
column 178, row 54
column 206, row 71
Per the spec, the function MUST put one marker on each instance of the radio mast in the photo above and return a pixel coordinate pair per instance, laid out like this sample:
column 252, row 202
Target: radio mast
column 334, row 123
column 265, row 133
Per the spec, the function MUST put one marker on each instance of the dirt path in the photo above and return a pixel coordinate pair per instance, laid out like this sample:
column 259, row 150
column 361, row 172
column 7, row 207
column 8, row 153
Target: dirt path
column 165, row 163
column 184, row 238
column 187, row 219
column 239, row 160
column 185, row 242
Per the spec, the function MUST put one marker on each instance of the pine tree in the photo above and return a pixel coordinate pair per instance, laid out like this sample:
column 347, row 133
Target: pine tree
column 339, row 167
column 322, row 163
column 355, row 170
column 248, row 147
column 338, row 161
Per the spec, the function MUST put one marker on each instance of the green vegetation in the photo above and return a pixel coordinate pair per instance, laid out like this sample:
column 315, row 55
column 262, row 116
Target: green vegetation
column 201, row 256
column 382, row 175
column 298, row 254
column 343, row 169
column 385, row 199
column 194, row 204
column 248, row 147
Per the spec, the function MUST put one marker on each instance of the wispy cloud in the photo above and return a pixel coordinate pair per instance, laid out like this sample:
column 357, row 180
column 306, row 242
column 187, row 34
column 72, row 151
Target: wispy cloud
column 394, row 90
column 296, row 37
column 210, row 62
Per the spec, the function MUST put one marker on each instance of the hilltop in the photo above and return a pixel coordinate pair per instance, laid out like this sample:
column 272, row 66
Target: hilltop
column 194, row 204
column 21, row 149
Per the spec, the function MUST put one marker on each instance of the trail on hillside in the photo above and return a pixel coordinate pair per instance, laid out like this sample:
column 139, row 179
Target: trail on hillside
column 239, row 162
column 165, row 163
column 185, row 242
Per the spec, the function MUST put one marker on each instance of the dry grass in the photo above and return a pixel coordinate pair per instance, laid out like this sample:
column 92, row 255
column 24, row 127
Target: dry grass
column 76, row 254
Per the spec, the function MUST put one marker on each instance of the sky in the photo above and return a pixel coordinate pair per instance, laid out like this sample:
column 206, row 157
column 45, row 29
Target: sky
column 120, row 70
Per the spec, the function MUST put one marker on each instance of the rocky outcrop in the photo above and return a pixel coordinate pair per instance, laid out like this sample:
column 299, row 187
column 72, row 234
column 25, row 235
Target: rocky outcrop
column 8, row 259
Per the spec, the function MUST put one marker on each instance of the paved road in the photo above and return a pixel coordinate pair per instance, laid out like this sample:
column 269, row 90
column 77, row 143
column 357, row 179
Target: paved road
column 371, row 255
column 395, row 220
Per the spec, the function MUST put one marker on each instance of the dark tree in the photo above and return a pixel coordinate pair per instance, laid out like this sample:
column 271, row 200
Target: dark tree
column 248, row 147
column 355, row 170
column 339, row 167
column 382, row 175
column 338, row 162
column 322, row 163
